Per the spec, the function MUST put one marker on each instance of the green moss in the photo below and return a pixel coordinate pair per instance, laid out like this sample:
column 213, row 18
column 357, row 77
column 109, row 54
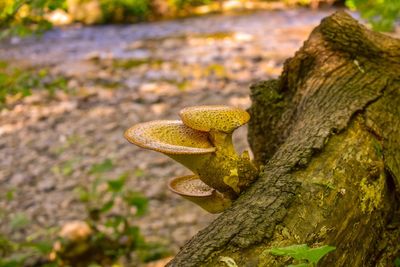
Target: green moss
column 371, row 197
column 345, row 181
column 266, row 92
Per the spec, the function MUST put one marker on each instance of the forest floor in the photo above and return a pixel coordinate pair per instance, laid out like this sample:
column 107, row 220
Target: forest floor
column 118, row 76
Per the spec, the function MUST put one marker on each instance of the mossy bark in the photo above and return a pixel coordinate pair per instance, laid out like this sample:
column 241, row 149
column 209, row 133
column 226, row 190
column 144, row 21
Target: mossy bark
column 327, row 133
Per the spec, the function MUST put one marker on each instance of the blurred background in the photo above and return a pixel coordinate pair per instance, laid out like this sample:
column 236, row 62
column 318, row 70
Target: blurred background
column 75, row 74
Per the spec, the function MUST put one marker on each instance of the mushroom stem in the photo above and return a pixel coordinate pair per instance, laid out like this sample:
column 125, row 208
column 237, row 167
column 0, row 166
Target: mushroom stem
column 225, row 170
column 223, row 142
column 193, row 162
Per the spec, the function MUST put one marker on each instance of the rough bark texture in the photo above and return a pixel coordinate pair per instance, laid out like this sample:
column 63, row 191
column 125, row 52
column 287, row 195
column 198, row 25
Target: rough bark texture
column 328, row 136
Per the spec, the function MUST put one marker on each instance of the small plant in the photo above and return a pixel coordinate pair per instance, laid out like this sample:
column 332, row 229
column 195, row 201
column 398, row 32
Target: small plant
column 18, row 83
column 105, row 237
column 31, row 250
column 303, row 254
column 108, row 233
column 382, row 14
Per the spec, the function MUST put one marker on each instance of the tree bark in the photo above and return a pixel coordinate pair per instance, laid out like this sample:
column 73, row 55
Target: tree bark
column 327, row 134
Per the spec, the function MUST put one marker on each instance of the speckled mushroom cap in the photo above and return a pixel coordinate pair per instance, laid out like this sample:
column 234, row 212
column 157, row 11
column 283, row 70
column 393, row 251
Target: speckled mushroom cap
column 170, row 137
column 218, row 118
column 190, row 185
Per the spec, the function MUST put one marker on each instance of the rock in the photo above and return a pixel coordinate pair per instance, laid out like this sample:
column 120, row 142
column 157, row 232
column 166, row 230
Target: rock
column 46, row 185
column 19, row 179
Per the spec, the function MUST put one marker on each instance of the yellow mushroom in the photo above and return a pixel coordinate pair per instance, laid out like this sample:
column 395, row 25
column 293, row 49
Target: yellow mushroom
column 193, row 189
column 189, row 147
column 203, row 143
column 228, row 171
column 214, row 118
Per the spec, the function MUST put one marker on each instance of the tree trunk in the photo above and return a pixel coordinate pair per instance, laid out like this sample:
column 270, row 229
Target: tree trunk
column 327, row 134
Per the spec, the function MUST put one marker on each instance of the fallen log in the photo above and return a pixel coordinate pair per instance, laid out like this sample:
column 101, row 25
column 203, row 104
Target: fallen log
column 327, row 135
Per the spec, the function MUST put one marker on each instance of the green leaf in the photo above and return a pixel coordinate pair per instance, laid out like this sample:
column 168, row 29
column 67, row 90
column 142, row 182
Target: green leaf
column 107, row 206
column 397, row 262
column 135, row 199
column 114, row 221
column 302, row 252
column 133, row 232
column 117, row 184
column 152, row 251
column 105, row 166
column 10, row 263
column 43, row 247
column 19, row 220
column 313, row 255
column 83, row 194
column 293, row 251
column 10, row 194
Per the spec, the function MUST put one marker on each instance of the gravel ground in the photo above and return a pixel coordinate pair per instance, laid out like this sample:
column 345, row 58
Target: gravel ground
column 123, row 75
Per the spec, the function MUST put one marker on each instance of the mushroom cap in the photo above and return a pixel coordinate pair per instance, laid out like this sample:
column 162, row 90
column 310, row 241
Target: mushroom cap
column 170, row 137
column 191, row 186
column 218, row 118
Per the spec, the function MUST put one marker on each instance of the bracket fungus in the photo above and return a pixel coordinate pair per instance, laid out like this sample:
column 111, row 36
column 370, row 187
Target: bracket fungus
column 193, row 189
column 202, row 142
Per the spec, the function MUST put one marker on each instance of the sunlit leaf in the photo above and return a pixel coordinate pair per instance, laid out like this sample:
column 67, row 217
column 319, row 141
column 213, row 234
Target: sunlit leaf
column 105, row 166
column 42, row 246
column 302, row 252
column 19, row 220
column 137, row 200
column 117, row 184
column 313, row 255
column 107, row 206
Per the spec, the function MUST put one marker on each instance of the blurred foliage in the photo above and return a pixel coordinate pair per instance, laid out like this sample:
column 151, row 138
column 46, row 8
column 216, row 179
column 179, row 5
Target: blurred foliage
column 125, row 10
column 111, row 209
column 27, row 250
column 382, row 14
column 17, row 83
column 21, row 17
column 107, row 236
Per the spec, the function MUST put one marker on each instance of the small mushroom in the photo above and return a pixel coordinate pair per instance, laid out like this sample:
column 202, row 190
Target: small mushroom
column 193, row 189
column 214, row 118
column 234, row 172
column 219, row 121
column 171, row 137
